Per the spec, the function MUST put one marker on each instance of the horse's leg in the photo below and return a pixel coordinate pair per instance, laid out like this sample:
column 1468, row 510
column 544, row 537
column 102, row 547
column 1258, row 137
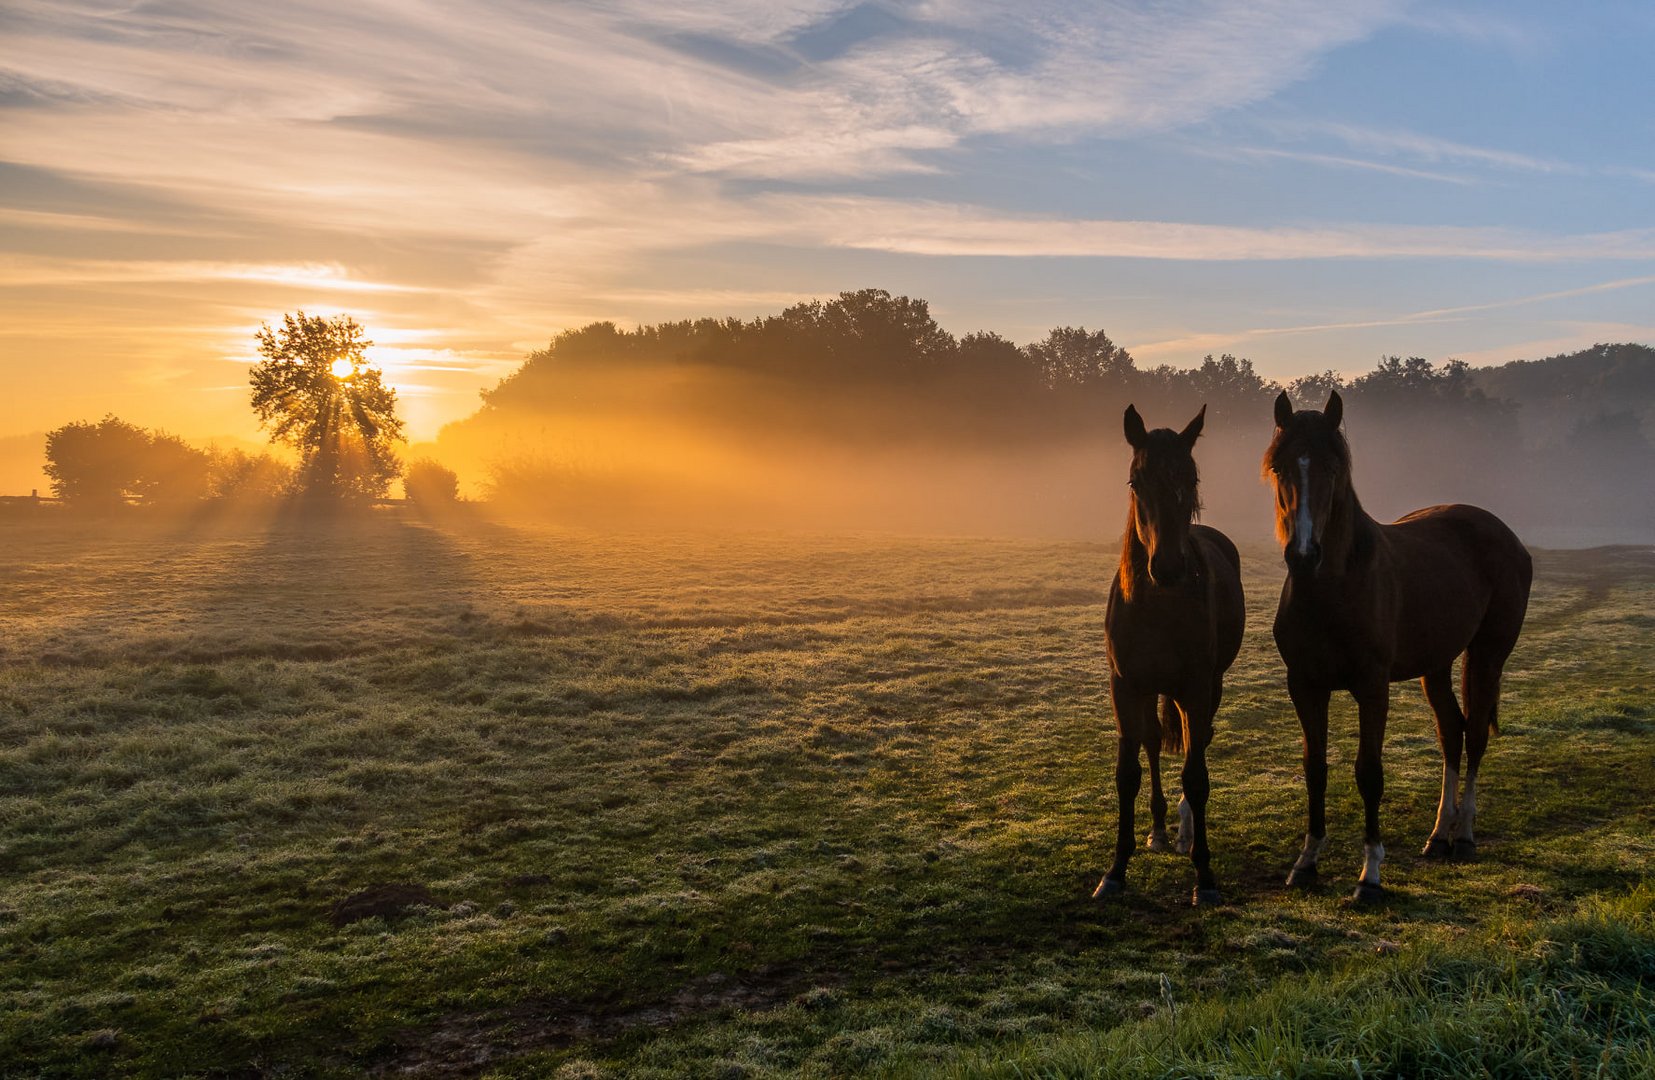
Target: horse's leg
column 1186, row 818
column 1373, row 703
column 1198, row 714
column 1481, row 685
column 1439, row 691
column 1129, row 707
column 1311, row 704
column 1485, row 659
column 1157, row 839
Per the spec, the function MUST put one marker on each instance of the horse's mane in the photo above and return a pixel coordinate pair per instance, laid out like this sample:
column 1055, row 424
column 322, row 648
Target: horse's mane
column 1129, row 565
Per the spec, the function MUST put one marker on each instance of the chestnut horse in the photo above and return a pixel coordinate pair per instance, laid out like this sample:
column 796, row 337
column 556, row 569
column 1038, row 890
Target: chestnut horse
column 1172, row 628
column 1366, row 605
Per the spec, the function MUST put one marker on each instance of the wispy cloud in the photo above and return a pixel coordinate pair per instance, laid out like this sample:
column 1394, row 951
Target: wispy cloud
column 1431, row 148
column 1493, row 28
column 1418, row 146
column 1245, row 153
column 944, row 229
column 1224, row 339
column 21, row 271
column 945, row 71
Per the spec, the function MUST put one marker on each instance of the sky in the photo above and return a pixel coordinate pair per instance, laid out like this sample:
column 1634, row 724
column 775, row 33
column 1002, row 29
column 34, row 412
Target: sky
column 1307, row 183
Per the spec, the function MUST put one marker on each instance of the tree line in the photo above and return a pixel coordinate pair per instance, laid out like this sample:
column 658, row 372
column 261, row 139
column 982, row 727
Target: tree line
column 870, row 349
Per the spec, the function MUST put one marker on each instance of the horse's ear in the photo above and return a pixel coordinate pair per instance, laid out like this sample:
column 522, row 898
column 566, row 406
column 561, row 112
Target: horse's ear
column 1284, row 409
column 1135, row 433
column 1335, row 410
column 1192, row 430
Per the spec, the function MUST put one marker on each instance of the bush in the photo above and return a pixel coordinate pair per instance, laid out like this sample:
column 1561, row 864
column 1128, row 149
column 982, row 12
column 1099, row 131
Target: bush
column 236, row 474
column 430, row 484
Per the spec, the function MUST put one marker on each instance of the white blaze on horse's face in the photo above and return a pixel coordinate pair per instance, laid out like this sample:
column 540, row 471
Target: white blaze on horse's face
column 1304, row 529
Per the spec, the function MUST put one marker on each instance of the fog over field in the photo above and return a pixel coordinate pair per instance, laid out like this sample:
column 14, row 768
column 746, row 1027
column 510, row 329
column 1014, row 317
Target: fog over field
column 860, row 413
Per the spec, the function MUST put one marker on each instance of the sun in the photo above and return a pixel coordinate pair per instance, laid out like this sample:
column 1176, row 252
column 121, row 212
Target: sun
column 342, row 368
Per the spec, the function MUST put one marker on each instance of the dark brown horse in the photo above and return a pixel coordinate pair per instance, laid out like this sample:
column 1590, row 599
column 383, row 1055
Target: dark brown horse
column 1173, row 627
column 1366, row 605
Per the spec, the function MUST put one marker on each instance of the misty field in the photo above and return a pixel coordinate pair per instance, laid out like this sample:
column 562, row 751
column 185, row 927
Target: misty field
column 743, row 806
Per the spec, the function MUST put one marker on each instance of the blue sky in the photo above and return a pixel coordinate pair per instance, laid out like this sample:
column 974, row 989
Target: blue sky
column 1312, row 185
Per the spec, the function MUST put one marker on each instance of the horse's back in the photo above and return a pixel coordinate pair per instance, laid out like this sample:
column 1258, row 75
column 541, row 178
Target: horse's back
column 1460, row 531
column 1457, row 565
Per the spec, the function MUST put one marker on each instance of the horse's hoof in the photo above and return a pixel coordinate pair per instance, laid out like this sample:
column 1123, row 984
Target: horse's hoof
column 1367, row 893
column 1464, row 850
column 1157, row 842
column 1301, row 877
column 1206, row 897
column 1436, row 849
column 1109, row 886
column 1183, row 846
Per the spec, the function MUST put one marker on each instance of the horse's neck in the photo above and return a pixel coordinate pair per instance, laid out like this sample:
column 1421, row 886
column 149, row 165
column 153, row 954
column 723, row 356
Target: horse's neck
column 1349, row 535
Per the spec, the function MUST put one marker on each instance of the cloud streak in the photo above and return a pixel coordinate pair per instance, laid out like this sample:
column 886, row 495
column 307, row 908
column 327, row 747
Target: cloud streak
column 952, row 230
column 1225, row 339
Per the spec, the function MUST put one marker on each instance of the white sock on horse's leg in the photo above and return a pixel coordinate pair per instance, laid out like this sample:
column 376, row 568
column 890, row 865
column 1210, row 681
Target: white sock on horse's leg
column 1311, row 851
column 1448, row 810
column 1373, row 855
column 1468, row 809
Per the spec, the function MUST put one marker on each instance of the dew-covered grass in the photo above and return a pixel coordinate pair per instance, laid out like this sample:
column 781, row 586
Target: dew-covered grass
column 755, row 805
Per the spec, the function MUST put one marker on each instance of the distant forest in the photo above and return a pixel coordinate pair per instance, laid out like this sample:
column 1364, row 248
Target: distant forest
column 1560, row 440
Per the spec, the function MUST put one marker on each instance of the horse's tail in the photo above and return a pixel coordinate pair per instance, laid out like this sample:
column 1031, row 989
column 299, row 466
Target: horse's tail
column 1172, row 726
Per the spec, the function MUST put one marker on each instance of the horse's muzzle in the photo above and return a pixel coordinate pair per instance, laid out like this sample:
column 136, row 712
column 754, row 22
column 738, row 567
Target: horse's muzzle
column 1306, row 563
column 1166, row 570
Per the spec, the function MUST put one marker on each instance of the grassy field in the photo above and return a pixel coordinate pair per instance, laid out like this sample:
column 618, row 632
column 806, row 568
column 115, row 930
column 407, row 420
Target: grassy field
column 747, row 806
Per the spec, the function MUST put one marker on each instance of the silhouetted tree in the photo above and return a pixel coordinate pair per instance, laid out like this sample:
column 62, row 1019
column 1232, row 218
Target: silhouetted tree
column 315, row 392
column 1231, row 379
column 1312, row 391
column 172, row 471
column 862, row 336
column 987, row 363
column 1073, row 357
column 112, row 459
column 96, row 463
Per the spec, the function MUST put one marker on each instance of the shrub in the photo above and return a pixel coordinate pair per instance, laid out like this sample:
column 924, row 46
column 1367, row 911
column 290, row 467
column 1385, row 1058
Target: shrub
column 236, row 474
column 429, row 483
